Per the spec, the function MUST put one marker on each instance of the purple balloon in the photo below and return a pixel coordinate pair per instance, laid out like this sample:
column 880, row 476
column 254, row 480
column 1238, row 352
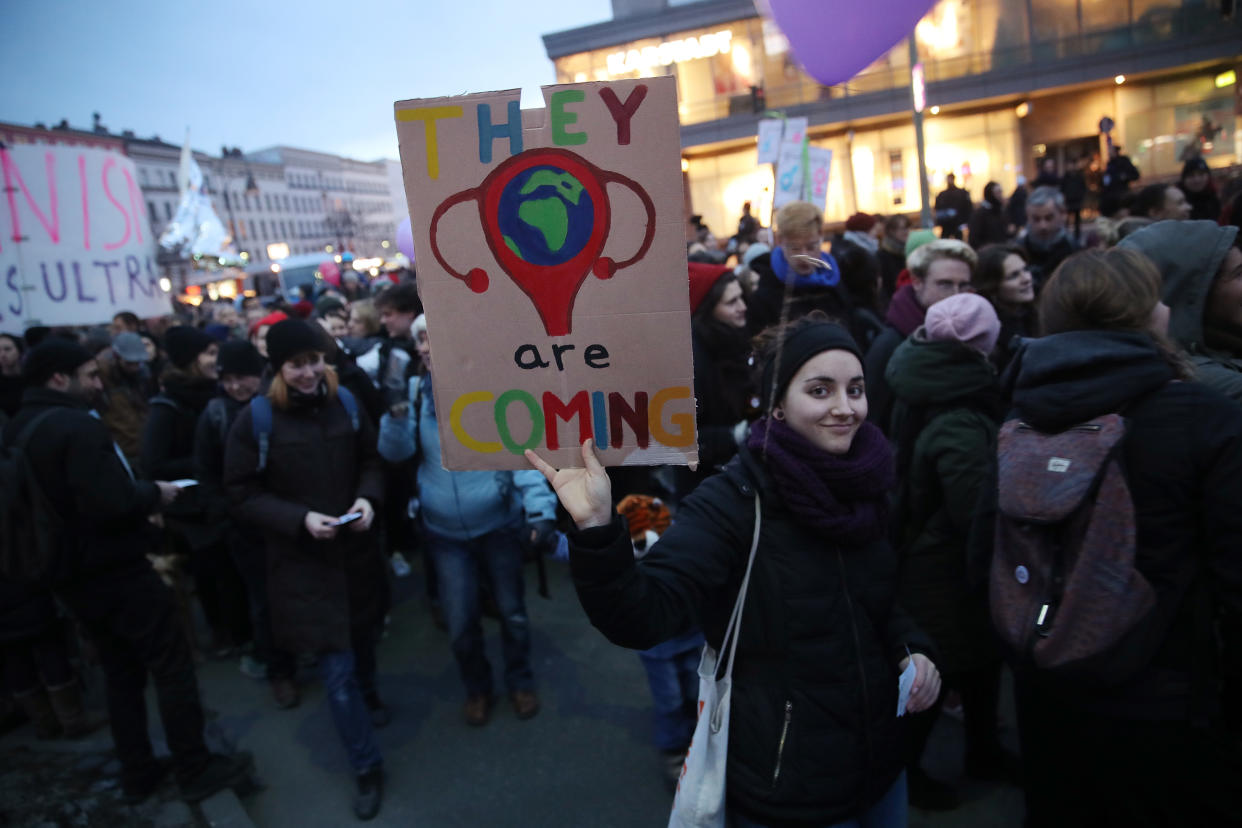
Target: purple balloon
column 834, row 40
column 405, row 239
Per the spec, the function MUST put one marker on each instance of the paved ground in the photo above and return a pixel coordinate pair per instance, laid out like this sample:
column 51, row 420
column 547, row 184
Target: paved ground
column 586, row 760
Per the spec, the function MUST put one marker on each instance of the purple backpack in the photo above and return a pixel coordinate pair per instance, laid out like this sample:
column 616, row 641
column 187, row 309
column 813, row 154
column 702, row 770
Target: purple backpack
column 1064, row 592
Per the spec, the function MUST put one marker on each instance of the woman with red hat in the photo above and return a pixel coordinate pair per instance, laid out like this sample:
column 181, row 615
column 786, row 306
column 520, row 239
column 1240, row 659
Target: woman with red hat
column 722, row 384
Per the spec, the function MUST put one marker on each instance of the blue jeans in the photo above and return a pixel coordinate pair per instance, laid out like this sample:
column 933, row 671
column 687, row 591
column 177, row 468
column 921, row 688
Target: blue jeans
column 673, row 676
column 349, row 712
column 498, row 556
column 889, row 812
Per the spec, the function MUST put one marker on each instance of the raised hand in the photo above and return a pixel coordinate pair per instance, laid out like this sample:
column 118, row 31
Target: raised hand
column 586, row 493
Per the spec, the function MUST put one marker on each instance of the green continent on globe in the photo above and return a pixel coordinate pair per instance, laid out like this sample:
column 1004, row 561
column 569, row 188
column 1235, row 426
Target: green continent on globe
column 570, row 188
column 549, row 217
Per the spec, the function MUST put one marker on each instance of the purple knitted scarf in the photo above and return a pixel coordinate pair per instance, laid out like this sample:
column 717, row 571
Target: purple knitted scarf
column 842, row 495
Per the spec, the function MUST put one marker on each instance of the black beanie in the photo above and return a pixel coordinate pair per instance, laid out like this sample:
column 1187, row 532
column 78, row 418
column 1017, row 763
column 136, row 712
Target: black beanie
column 54, row 355
column 183, row 344
column 240, row 359
column 289, row 338
column 797, row 349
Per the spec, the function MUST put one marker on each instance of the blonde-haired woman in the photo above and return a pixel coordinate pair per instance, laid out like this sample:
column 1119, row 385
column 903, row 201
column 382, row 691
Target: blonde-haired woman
column 301, row 466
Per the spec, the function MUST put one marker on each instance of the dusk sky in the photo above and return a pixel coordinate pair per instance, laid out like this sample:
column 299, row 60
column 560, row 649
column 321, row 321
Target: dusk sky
column 313, row 74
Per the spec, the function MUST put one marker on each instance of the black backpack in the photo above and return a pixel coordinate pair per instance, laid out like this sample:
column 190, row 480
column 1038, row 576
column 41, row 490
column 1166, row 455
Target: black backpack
column 30, row 531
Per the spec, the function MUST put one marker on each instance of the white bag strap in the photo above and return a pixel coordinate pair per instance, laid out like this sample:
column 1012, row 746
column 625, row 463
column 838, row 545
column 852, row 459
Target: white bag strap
column 734, row 630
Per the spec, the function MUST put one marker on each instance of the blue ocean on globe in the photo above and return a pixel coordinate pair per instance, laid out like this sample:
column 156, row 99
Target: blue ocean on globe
column 545, row 215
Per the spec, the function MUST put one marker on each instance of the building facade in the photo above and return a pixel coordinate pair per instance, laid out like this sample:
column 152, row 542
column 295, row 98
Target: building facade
column 1008, row 82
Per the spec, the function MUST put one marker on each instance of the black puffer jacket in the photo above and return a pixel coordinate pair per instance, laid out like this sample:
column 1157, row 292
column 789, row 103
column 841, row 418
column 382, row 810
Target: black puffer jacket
column 168, row 452
column 820, row 641
column 104, row 509
column 320, row 591
column 1183, row 459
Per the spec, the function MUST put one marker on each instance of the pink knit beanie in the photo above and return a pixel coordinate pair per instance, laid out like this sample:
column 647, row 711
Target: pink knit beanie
column 967, row 318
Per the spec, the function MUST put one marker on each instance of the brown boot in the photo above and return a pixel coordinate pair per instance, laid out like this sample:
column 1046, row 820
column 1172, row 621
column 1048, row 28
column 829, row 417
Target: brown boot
column 75, row 720
column 39, row 710
column 525, row 704
column 478, row 709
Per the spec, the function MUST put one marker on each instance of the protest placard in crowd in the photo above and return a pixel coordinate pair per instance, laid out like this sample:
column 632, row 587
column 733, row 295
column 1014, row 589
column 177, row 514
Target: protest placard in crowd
column 75, row 247
column 552, row 265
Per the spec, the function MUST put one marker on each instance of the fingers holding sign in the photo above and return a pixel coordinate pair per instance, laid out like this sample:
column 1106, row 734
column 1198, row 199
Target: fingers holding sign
column 586, row 493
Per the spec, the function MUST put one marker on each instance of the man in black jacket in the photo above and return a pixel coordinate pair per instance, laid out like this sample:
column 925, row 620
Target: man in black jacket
column 953, row 209
column 1047, row 243
column 103, row 576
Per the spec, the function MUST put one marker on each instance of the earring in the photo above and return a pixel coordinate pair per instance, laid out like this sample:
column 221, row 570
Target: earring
column 778, row 414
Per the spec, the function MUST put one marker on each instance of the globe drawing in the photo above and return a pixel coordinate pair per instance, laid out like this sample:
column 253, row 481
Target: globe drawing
column 545, row 215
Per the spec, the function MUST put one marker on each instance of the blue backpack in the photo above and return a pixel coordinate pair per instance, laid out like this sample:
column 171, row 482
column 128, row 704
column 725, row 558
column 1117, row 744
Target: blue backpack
column 261, row 420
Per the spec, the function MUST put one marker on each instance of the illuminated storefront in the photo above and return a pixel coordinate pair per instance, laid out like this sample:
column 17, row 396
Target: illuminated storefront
column 1008, row 82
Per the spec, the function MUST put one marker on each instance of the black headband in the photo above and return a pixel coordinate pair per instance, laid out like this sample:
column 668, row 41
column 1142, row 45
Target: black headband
column 799, row 347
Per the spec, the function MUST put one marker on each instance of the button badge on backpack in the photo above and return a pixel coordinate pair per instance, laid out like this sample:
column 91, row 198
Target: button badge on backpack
column 1022, row 574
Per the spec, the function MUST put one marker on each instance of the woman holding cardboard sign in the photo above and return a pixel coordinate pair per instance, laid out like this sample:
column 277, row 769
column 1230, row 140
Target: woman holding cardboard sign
column 797, row 525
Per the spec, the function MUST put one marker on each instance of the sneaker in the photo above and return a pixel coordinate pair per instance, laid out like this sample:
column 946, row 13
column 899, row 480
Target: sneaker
column 285, row 693
column 219, row 773
column 370, row 793
column 251, row 667
column 478, row 709
column 525, row 704
column 400, row 566
column 379, row 712
column 929, row 793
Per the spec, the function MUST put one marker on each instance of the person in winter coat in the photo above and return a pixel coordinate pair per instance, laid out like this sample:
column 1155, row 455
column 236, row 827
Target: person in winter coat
column 475, row 525
column 1015, row 209
column 11, row 386
column 938, row 269
column 186, row 386
column 1119, row 174
column 1004, row 279
column 241, row 370
column 1202, row 269
column 798, row 258
column 1142, row 746
column 722, row 384
column 947, row 412
column 813, row 738
column 128, row 389
column 1161, row 202
column 1196, row 184
column 326, row 581
column 892, row 255
column 102, row 575
column 987, row 222
column 953, row 209
column 860, row 277
column 35, row 660
column 1074, row 191
column 1047, row 243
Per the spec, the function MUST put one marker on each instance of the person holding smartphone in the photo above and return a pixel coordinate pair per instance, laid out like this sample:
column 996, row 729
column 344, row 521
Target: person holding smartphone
column 325, row 579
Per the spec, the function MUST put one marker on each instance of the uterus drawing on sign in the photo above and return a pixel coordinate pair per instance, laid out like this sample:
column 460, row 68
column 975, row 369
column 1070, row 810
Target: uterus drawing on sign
column 546, row 217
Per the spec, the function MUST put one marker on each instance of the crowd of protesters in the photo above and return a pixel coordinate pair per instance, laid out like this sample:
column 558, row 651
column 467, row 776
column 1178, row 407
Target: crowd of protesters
column 277, row 464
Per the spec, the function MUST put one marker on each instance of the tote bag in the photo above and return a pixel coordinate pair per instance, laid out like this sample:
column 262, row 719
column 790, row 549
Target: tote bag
column 700, row 799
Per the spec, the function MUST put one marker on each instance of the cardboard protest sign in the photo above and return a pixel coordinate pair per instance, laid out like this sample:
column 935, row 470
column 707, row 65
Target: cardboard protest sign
column 75, row 247
column 794, row 183
column 795, row 130
column 770, row 130
column 552, row 266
